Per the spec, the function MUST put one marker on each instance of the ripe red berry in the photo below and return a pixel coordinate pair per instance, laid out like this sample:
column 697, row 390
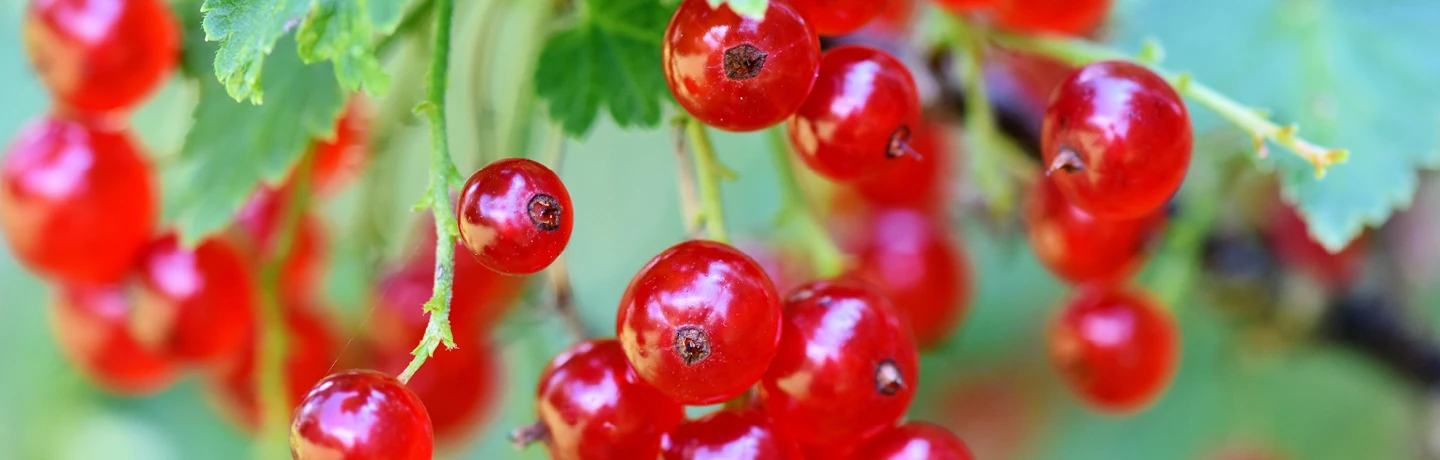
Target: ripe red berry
column 595, row 407
column 92, row 329
column 1117, row 139
column 1065, row 17
column 846, row 367
column 922, row 182
column 914, row 441
column 458, row 386
column 859, row 118
column 1289, row 237
column 830, row 17
column 700, row 322
column 1116, row 348
column 339, row 160
column 194, row 305
column 729, row 435
column 361, row 414
column 101, row 55
column 964, row 6
column 910, row 258
column 515, row 216
column 260, row 220
column 312, row 350
column 737, row 73
column 1079, row 247
column 76, row 202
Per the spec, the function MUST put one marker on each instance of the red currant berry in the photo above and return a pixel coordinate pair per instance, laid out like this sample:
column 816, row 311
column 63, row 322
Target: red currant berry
column 361, row 414
column 594, row 406
column 76, row 202
column 101, row 55
column 908, row 256
column 311, row 351
column 1117, row 139
column 700, row 322
column 729, row 435
column 896, row 18
column 338, row 160
column 458, row 386
column 859, row 117
column 964, row 6
column 846, row 367
column 1289, row 237
column 1079, row 247
column 1116, row 348
column 738, row 73
column 832, row 17
column 914, row 441
column 515, row 216
column 922, row 183
column 92, row 328
column 1066, row 17
column 260, row 221
column 195, row 305
column 786, row 265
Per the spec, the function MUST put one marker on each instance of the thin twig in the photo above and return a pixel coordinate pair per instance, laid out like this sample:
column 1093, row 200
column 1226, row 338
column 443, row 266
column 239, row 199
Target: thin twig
column 559, row 278
column 274, row 340
column 826, row 256
column 708, row 173
column 685, row 179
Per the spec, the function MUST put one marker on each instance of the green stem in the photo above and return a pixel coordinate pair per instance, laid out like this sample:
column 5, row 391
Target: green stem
column 993, row 153
column 443, row 175
column 707, row 176
column 825, row 255
column 274, row 340
column 1079, row 52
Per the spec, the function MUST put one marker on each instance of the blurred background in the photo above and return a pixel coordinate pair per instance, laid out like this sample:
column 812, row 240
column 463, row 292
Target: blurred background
column 1274, row 364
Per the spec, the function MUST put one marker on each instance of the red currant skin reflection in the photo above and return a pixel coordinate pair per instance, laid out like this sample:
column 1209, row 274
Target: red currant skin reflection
column 914, row 441
column 700, row 322
column 1079, row 247
column 594, row 407
column 101, row 55
column 1116, row 348
column 76, row 202
column 515, row 216
column 1117, row 139
column 198, row 304
column 92, row 328
column 361, row 414
column 846, row 369
column 738, row 73
column 831, row 17
column 858, row 118
column 729, row 435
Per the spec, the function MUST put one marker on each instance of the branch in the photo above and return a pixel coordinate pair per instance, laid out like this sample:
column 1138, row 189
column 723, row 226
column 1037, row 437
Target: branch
column 708, row 173
column 825, row 255
column 1081, row 52
column 685, row 180
column 996, row 158
column 443, row 175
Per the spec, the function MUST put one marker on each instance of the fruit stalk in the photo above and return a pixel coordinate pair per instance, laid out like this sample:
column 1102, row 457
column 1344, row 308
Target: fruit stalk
column 707, row 176
column 825, row 255
column 274, row 339
column 992, row 150
column 1080, row 52
column 443, row 175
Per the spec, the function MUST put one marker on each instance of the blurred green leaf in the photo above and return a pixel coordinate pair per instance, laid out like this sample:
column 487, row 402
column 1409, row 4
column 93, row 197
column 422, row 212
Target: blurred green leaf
column 1355, row 75
column 609, row 58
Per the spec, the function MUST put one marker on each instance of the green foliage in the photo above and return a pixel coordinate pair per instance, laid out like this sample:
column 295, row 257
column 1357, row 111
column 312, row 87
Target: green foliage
column 342, row 31
column 752, row 8
column 233, row 146
column 1353, row 75
column 609, row 58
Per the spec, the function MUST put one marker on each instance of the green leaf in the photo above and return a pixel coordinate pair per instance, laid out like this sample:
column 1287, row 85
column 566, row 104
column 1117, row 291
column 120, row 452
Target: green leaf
column 751, row 8
column 1353, row 75
column 609, row 58
column 342, row 31
column 233, row 146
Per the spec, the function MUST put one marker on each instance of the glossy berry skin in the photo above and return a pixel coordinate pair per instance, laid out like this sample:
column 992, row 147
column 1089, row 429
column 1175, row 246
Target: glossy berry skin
column 838, row 17
column 194, row 305
column 921, row 183
column 920, row 269
column 460, row 387
column 729, row 435
column 338, row 160
column 859, row 118
column 914, row 441
column 515, row 216
column 313, row 349
column 700, row 322
column 595, row 407
column 1080, row 248
column 361, row 415
column 1064, row 17
column 101, row 55
column 1116, row 348
column 847, row 368
column 1117, row 139
column 736, row 73
column 77, row 203
column 92, row 329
